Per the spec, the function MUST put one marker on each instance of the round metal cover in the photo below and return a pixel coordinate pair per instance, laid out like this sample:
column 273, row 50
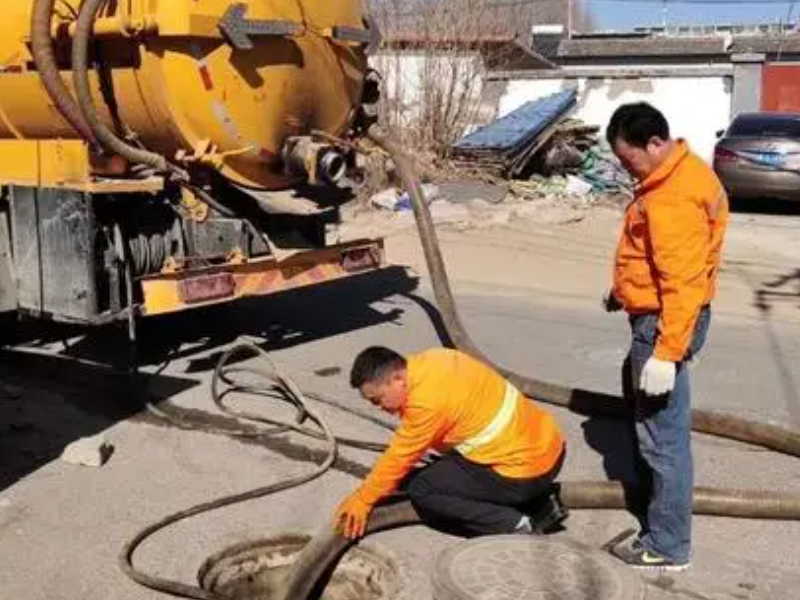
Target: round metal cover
column 521, row 567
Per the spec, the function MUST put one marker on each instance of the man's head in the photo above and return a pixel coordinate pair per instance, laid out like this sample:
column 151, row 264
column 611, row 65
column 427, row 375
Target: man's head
column 380, row 375
column 639, row 136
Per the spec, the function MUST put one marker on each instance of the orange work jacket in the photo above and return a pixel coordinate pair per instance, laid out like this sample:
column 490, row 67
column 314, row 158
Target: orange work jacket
column 453, row 399
column 668, row 256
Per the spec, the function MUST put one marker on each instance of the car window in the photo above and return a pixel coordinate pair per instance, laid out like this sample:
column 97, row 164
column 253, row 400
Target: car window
column 764, row 126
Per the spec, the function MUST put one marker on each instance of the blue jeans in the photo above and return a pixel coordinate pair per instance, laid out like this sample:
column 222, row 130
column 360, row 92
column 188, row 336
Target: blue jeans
column 665, row 475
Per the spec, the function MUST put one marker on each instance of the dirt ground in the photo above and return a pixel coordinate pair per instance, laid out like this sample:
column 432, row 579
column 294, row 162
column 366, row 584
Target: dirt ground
column 563, row 250
column 528, row 277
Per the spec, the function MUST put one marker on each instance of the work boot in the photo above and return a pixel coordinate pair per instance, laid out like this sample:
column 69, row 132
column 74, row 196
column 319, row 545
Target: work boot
column 549, row 514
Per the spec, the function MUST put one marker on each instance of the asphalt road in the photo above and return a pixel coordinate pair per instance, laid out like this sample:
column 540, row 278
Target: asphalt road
column 61, row 526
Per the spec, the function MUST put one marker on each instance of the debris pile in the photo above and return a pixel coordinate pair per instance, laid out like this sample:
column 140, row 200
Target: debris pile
column 535, row 164
column 566, row 149
column 540, row 143
column 506, row 146
column 469, row 204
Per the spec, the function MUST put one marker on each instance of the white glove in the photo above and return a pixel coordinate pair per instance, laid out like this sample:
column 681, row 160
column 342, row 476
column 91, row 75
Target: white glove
column 658, row 377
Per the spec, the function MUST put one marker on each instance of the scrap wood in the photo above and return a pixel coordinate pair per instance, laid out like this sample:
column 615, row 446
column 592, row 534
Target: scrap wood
column 506, row 145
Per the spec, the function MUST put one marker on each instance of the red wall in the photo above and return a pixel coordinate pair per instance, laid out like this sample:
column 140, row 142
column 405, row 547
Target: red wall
column 780, row 88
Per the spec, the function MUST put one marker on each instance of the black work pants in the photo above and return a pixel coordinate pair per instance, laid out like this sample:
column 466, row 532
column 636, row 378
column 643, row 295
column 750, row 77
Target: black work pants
column 459, row 496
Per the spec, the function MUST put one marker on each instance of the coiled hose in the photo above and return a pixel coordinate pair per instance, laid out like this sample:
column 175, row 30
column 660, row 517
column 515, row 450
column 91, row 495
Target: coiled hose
column 277, row 387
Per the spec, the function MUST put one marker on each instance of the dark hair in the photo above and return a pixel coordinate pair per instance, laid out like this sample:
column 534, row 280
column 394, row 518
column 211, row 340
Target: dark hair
column 636, row 124
column 373, row 364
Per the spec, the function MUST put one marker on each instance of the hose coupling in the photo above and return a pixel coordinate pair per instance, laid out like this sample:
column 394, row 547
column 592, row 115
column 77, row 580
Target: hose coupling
column 320, row 163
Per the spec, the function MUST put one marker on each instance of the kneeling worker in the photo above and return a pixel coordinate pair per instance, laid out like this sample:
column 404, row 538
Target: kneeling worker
column 501, row 452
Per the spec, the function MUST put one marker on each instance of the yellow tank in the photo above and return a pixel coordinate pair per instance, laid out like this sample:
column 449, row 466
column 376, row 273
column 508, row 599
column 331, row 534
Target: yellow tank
column 216, row 81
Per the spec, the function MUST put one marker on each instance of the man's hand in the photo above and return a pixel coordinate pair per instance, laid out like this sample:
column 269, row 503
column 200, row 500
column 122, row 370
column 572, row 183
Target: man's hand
column 658, row 377
column 351, row 517
column 610, row 302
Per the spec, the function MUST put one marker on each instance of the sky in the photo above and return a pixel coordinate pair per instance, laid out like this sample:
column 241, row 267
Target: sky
column 625, row 14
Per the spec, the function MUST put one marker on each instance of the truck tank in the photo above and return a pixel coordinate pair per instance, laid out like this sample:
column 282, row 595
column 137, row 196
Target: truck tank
column 198, row 76
column 162, row 154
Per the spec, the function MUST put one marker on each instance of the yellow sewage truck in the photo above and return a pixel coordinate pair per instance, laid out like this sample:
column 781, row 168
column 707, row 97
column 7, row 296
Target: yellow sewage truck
column 161, row 154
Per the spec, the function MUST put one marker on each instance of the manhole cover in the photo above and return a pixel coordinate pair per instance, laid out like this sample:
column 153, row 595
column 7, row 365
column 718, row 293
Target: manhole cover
column 253, row 570
column 518, row 567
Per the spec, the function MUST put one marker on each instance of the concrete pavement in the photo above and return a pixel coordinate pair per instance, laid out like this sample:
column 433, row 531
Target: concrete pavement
column 61, row 526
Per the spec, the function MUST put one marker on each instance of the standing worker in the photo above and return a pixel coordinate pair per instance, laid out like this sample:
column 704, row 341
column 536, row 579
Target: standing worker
column 665, row 275
column 501, row 452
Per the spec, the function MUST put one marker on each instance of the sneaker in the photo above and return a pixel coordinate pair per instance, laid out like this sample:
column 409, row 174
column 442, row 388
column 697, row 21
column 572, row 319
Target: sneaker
column 633, row 553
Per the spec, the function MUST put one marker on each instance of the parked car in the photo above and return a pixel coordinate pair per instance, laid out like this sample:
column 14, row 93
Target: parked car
column 759, row 156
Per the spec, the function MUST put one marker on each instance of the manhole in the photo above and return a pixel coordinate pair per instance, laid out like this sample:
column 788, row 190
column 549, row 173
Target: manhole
column 517, row 567
column 252, row 570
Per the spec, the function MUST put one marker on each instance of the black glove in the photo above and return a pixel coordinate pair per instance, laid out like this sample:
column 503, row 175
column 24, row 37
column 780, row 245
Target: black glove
column 610, row 302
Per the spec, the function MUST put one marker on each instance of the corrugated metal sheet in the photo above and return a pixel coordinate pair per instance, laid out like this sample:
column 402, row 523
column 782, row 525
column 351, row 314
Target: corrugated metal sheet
column 780, row 88
column 518, row 128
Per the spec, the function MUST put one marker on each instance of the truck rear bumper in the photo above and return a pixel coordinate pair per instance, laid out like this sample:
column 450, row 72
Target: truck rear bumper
column 172, row 292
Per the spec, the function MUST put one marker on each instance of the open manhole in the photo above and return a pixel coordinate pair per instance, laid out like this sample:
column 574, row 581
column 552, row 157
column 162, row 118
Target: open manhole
column 252, row 570
column 521, row 567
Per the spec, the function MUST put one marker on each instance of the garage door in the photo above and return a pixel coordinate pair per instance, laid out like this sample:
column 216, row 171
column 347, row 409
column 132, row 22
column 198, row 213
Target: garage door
column 781, row 88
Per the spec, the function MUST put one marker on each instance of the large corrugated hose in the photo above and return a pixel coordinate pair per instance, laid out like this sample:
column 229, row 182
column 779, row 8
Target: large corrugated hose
column 80, row 74
column 45, row 60
column 99, row 131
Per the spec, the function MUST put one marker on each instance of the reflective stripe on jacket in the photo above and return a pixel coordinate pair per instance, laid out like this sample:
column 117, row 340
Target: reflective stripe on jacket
column 495, row 427
column 454, row 399
column 668, row 256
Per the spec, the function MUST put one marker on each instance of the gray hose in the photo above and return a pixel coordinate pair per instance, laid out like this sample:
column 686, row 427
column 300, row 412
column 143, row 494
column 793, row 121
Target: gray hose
column 80, row 74
column 45, row 60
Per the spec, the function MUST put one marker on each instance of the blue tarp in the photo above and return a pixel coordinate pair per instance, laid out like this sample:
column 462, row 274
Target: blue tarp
column 519, row 128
